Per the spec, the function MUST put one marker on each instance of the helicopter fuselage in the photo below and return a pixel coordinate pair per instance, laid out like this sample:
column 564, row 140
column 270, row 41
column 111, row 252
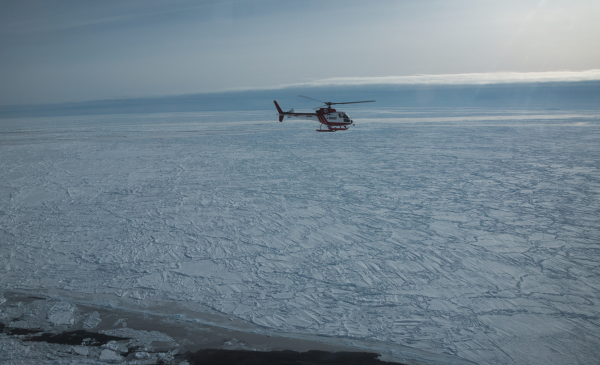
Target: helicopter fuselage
column 327, row 116
column 335, row 120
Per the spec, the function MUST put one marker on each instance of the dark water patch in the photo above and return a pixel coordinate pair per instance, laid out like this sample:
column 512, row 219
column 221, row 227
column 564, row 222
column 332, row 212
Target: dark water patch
column 287, row 357
column 22, row 331
column 18, row 331
column 80, row 337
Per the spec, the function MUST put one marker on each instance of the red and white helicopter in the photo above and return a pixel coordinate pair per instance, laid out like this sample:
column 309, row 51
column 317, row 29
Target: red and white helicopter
column 334, row 120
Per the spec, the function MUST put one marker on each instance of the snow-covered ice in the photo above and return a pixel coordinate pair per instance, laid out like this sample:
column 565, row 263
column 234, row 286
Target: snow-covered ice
column 92, row 320
column 470, row 232
column 110, row 356
column 61, row 314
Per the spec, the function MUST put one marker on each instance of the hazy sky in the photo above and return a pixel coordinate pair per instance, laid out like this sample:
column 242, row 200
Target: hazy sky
column 55, row 51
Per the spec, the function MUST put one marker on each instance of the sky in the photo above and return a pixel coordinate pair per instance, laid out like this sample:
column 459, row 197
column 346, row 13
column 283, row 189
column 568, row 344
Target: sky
column 69, row 51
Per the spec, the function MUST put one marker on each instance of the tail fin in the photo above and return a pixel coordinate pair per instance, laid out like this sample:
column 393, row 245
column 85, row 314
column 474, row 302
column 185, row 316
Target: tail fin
column 279, row 110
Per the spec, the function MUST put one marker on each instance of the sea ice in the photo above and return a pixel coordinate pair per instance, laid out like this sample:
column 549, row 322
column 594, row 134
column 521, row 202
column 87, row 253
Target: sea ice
column 468, row 232
column 109, row 356
column 141, row 355
column 92, row 321
column 80, row 350
column 61, row 314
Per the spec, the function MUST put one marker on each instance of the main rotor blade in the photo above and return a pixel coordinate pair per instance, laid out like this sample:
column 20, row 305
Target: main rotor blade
column 356, row 102
column 306, row 97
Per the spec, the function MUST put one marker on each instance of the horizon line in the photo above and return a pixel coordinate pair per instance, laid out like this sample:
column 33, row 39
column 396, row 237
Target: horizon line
column 466, row 79
column 479, row 78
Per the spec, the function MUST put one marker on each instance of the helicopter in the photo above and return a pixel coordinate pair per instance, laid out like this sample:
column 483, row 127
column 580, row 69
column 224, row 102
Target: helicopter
column 333, row 119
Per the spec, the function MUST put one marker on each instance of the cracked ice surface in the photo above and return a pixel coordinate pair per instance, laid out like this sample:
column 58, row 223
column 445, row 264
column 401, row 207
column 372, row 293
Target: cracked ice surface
column 474, row 233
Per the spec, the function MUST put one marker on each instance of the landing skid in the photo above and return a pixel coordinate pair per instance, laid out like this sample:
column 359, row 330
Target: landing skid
column 332, row 129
